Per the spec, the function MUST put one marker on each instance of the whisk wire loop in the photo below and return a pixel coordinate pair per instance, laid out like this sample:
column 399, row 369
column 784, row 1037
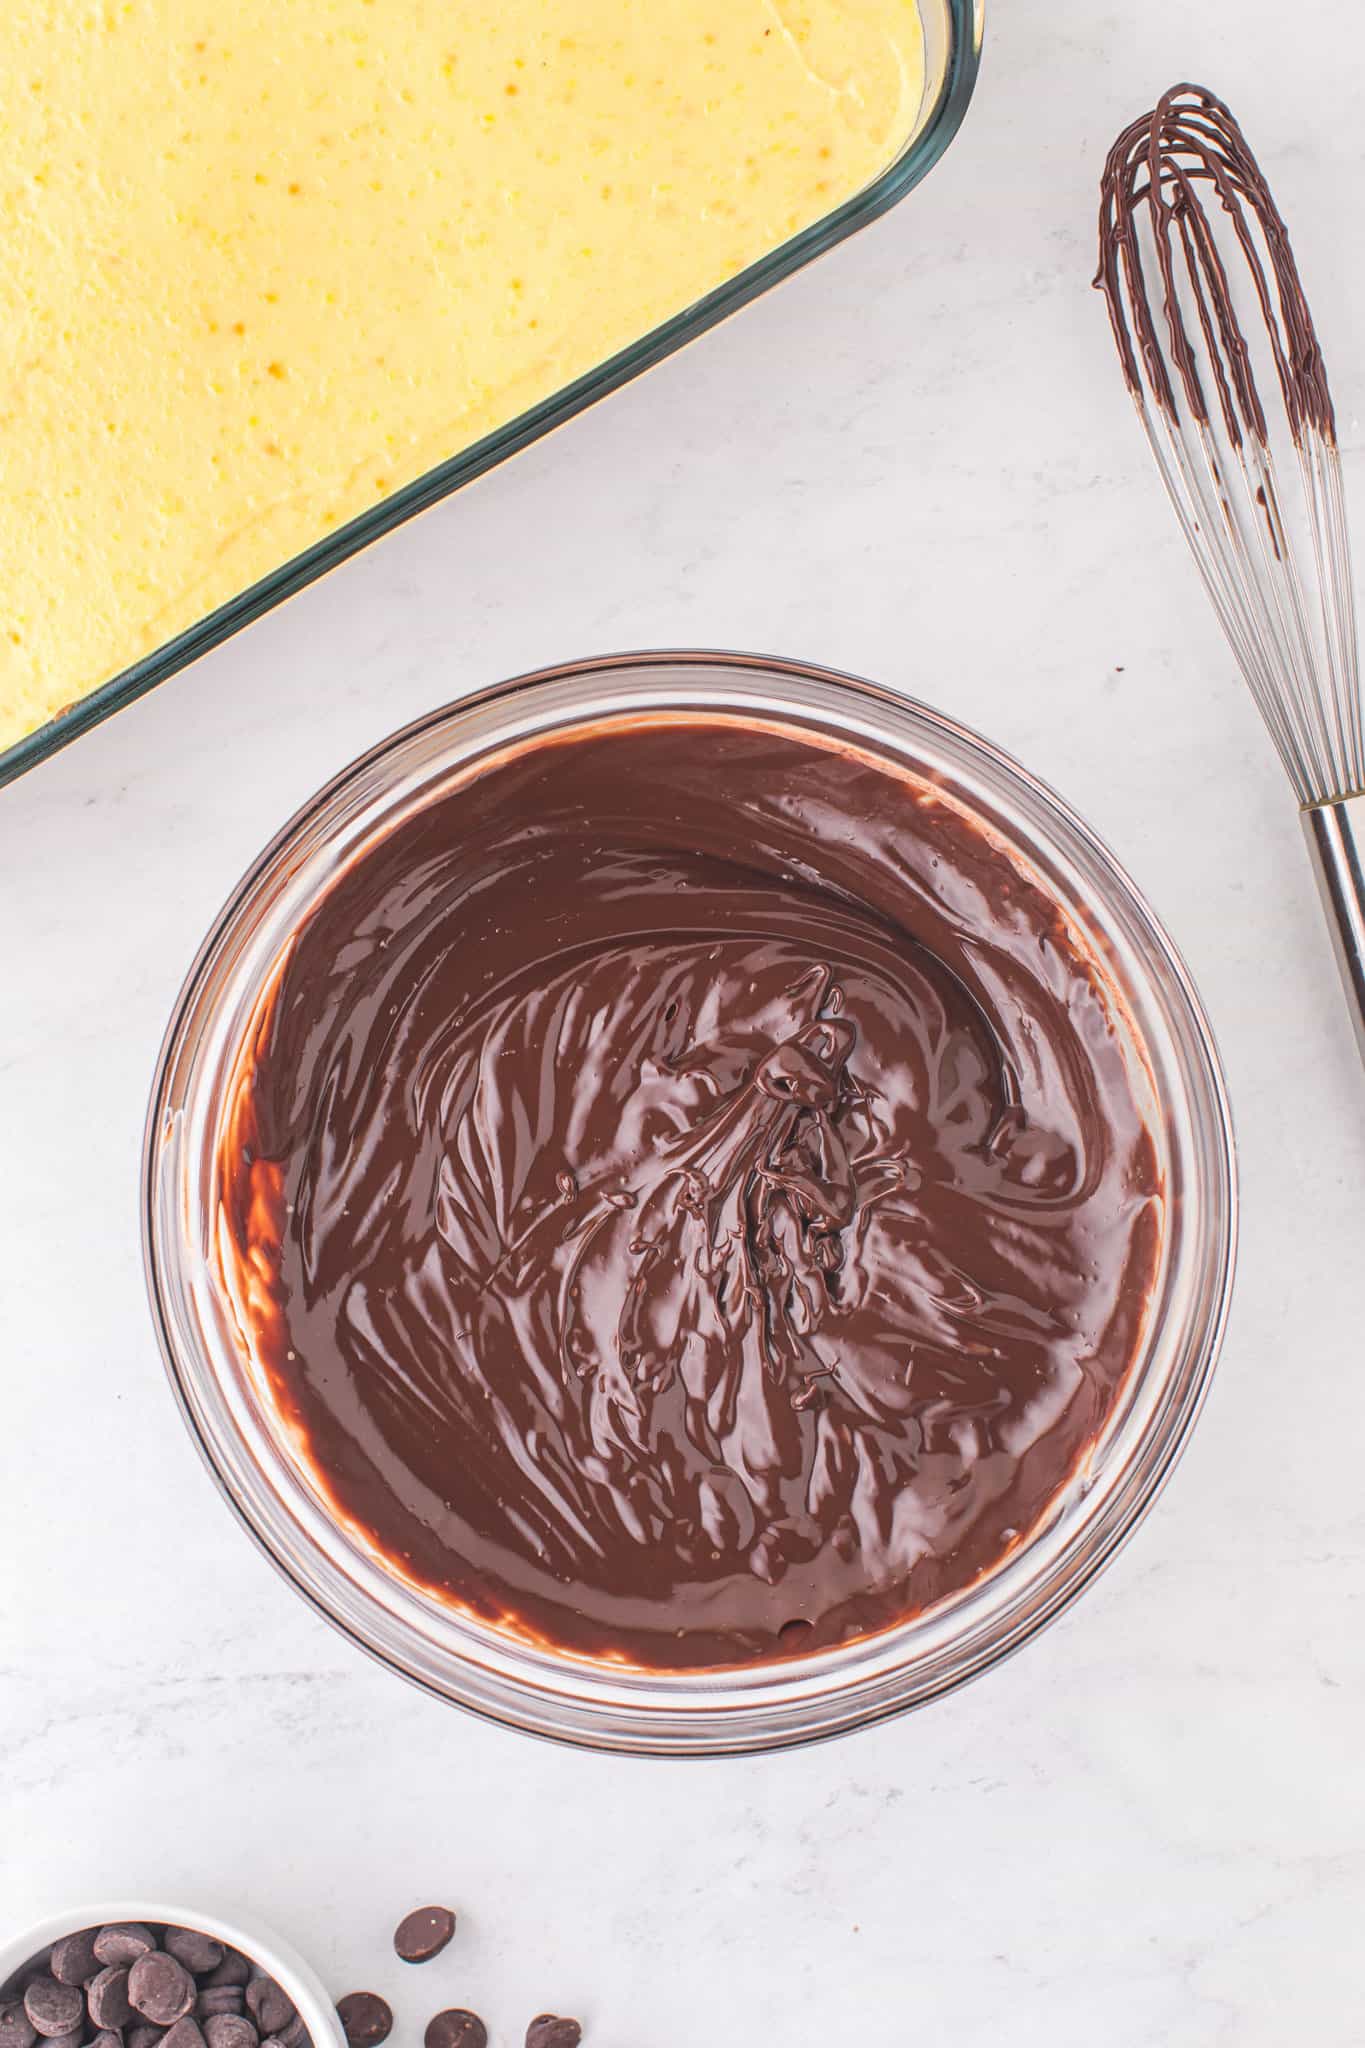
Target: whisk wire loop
column 1187, row 227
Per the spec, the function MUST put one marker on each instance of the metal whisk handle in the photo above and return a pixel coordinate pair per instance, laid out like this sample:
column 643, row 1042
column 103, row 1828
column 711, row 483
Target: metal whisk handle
column 1336, row 840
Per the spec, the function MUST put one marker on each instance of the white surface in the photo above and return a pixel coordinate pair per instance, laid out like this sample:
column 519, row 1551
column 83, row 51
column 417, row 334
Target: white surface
column 916, row 462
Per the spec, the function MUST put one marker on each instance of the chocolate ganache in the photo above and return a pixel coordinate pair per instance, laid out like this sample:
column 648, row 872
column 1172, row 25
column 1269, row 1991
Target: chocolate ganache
column 692, row 1193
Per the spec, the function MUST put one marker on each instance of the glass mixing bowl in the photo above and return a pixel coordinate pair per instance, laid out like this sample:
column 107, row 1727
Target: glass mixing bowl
column 222, row 1390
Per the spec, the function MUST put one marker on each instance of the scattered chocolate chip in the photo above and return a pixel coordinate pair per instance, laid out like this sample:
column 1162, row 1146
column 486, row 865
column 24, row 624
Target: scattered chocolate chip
column 16, row 2028
column 124, row 1942
column 365, row 2018
column 549, row 2031
column 220, row 1998
column 198, row 1952
column 184, row 2034
column 107, row 1997
column 143, row 2037
column 162, row 1989
column 54, row 2008
column 229, row 2030
column 424, row 1933
column 269, row 2005
column 73, row 1959
column 456, row 2028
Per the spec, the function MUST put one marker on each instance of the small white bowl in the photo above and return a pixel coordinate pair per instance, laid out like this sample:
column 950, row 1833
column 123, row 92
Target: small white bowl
column 259, row 1944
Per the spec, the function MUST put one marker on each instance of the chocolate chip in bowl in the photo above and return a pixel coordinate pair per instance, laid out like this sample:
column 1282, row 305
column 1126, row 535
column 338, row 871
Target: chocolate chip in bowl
column 185, row 2033
column 55, row 2009
column 217, row 1999
column 233, row 1970
column 123, row 1942
column 107, row 1998
column 198, row 1953
column 160, row 1988
column 230, row 2030
column 16, row 2028
column 73, row 1960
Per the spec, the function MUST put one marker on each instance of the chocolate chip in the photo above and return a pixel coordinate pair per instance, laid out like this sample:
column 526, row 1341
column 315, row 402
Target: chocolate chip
column 184, row 2034
column 229, row 2030
column 269, row 2005
column 36, row 1966
column 161, row 1988
column 107, row 1997
column 17, row 1983
column 365, row 2018
column 54, row 2008
column 107, row 2037
column 198, row 1952
column 424, row 1933
column 220, row 1998
column 549, row 2031
column 71, row 2040
column 234, row 1969
column 143, row 2037
column 456, row 2028
column 294, row 2035
column 16, row 2028
column 123, row 1942
column 73, row 1959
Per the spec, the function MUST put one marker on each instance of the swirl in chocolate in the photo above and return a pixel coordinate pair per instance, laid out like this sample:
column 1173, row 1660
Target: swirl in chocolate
column 695, row 1193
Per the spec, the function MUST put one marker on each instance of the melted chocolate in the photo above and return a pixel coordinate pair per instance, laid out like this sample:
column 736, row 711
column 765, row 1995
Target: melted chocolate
column 692, row 1200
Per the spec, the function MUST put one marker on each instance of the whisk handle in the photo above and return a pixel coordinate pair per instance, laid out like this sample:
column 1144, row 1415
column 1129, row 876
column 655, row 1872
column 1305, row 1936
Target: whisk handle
column 1336, row 840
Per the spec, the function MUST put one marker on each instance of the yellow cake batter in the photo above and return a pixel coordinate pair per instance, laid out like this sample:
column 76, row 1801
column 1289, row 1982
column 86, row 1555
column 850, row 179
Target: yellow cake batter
column 265, row 261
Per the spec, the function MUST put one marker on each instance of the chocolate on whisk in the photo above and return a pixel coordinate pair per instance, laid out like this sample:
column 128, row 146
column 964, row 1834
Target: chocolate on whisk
column 1177, row 169
column 1185, row 210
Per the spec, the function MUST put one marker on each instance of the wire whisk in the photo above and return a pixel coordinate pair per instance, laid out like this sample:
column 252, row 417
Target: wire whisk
column 1203, row 293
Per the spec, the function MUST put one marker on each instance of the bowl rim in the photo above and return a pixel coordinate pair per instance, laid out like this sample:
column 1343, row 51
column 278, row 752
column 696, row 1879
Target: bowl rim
column 721, row 1724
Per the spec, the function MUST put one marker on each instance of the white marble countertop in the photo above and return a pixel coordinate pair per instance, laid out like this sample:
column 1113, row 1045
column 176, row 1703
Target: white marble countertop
column 916, row 462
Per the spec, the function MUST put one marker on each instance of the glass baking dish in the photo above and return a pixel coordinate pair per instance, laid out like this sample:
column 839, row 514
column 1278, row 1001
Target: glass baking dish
column 952, row 40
